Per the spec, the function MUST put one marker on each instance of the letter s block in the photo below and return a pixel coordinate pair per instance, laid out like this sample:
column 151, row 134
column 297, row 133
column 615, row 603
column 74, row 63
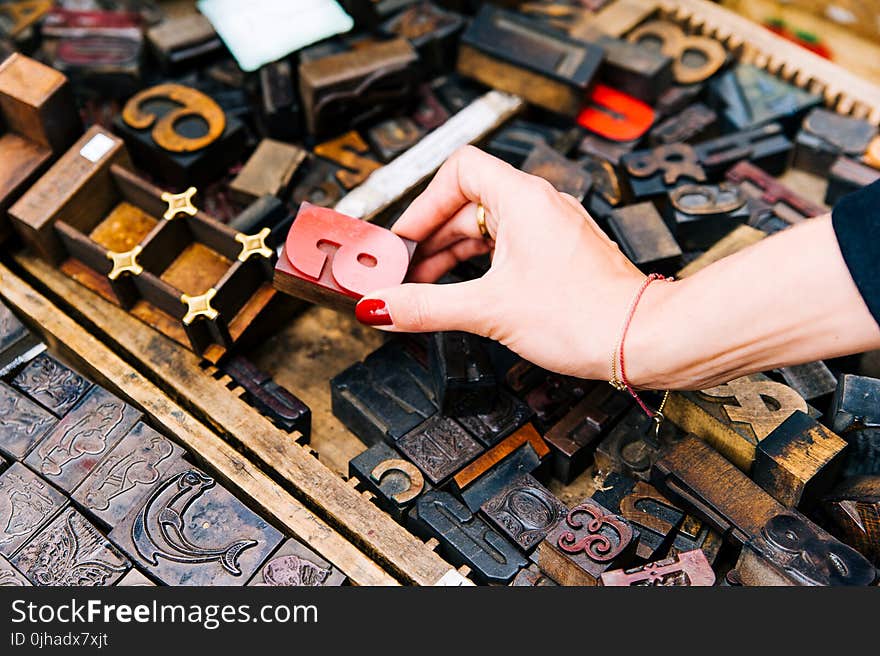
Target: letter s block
column 333, row 259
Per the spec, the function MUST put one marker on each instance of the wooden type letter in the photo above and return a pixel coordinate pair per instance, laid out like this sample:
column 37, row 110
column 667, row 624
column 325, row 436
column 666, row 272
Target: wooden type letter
column 798, row 461
column 464, row 380
column 395, row 482
column 432, row 31
column 846, row 176
column 439, row 447
column 294, row 564
column 27, row 503
column 269, row 170
column 689, row 568
column 634, row 69
column 589, row 541
column 466, row 537
column 854, row 509
column 71, row 552
column 826, row 135
column 552, row 396
column 349, row 151
column 615, row 116
column 505, row 415
column 525, row 511
column 23, row 423
column 515, row 141
column 52, row 384
column 790, row 206
column 279, row 116
column 814, row 381
column 765, row 147
column 701, row 214
column 393, row 136
column 513, row 53
column 855, row 416
column 680, row 47
column 655, row 517
column 692, row 124
column 736, row 416
column 655, row 172
column 564, row 174
column 81, row 439
column 333, row 259
column 630, row 447
column 644, row 238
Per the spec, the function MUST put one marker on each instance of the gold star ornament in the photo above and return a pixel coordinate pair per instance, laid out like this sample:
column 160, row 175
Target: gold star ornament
column 253, row 245
column 125, row 263
column 179, row 203
column 199, row 306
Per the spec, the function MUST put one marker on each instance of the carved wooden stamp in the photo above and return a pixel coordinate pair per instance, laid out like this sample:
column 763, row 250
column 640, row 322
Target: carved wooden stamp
column 395, row 482
column 269, row 170
column 854, row 415
column 190, row 531
column 854, row 509
column 464, row 380
column 525, row 511
column 506, row 414
column 644, row 238
column 22, row 423
column 54, row 385
column 71, row 552
column 685, row 569
column 439, row 447
column 27, row 503
column 294, row 564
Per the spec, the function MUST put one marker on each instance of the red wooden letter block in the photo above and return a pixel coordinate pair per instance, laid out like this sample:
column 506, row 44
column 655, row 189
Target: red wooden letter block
column 615, row 115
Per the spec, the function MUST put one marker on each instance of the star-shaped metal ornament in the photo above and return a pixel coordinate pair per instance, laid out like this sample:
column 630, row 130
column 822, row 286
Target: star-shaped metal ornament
column 253, row 245
column 125, row 263
column 199, row 306
column 179, row 203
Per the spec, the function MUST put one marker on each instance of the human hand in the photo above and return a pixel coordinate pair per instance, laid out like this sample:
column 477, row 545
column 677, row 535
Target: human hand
column 558, row 289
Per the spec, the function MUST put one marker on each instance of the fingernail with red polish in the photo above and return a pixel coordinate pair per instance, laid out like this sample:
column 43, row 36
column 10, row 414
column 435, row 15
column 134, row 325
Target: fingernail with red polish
column 373, row 312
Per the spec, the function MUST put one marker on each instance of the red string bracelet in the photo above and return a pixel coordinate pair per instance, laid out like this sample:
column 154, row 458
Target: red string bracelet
column 618, row 359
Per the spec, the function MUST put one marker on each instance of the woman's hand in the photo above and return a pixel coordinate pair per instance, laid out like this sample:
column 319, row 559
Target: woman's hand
column 558, row 288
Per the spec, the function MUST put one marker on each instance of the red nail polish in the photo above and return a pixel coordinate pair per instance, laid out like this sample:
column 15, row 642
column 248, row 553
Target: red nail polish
column 373, row 312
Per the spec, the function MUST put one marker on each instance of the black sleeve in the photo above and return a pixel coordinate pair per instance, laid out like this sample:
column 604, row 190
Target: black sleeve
column 856, row 221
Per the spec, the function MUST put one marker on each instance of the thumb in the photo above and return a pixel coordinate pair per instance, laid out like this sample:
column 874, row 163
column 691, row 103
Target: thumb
column 418, row 308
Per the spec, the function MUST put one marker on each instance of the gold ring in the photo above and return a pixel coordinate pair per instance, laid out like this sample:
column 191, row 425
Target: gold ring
column 481, row 223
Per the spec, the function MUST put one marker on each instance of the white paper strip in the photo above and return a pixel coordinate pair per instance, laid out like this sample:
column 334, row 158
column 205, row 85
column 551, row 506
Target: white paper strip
column 260, row 31
column 392, row 181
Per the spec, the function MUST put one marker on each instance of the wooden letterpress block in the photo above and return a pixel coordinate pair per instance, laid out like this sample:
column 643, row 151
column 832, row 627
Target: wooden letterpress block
column 384, row 397
column 269, row 170
column 71, row 552
column 279, row 115
column 265, row 212
column 677, row 98
column 11, row 577
column 464, row 379
column 846, row 176
column 184, row 40
column 736, row 416
column 333, row 259
column 516, row 54
column 741, row 237
column 27, row 503
column 294, row 564
column 791, row 550
column 855, row 416
column 82, row 438
column 564, row 174
column 766, row 147
column 700, row 215
column 618, row 120
column 634, row 69
column 532, row 577
column 126, row 474
column 393, row 136
column 429, row 113
column 655, row 517
column 354, row 87
column 455, row 92
column 693, row 123
column 18, row 17
column 432, row 31
column 552, row 396
column 22, row 423
column 505, row 415
column 318, row 184
column 351, row 153
column 607, row 192
column 180, row 135
column 574, row 438
column 747, row 97
column 134, row 579
column 813, row 381
column 37, row 122
column 516, row 140
column 681, row 48
column 589, row 541
column 518, row 454
column 826, row 135
column 854, row 509
column 655, row 172
column 466, row 538
column 54, row 385
column 190, row 531
column 395, row 482
column 685, row 569
column 631, row 447
column 277, row 403
column 644, row 238
column 787, row 204
column 17, row 344
column 525, row 511
column 439, row 447
column 695, row 534
column 78, row 184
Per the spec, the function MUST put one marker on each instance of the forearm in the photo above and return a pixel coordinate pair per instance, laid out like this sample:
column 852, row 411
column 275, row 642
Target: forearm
column 788, row 299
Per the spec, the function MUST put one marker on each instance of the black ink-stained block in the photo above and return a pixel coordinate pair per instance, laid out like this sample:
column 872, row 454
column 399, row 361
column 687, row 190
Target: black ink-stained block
column 126, row 473
column 506, row 415
column 747, row 97
column 432, row 31
column 692, row 124
column 23, row 423
column 565, row 175
column 645, row 238
column 52, row 384
column 456, row 92
column 525, row 511
column 846, row 176
column 81, row 439
column 395, row 482
column 11, row 577
column 517, row 139
column 70, row 552
column 814, row 381
column 184, row 40
column 532, row 577
column 765, row 146
column 16, row 341
column 656, row 517
column 553, row 396
column 631, row 447
column 462, row 372
column 439, row 447
column 641, row 72
column 656, row 171
column 190, row 531
column 466, row 538
column 280, row 117
column 701, row 214
column 394, row 136
column 27, row 503
column 384, row 397
column 855, row 416
column 826, row 135
column 294, row 564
